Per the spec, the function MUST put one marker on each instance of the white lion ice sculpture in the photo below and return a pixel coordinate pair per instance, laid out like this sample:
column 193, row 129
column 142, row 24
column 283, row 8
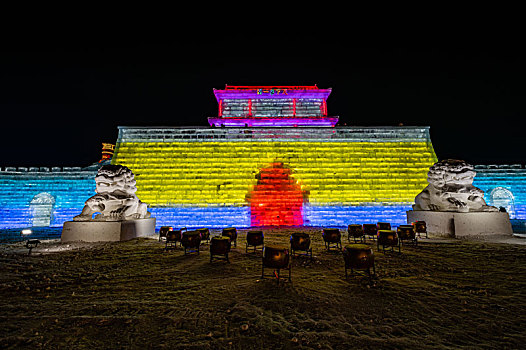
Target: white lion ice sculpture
column 115, row 199
column 451, row 189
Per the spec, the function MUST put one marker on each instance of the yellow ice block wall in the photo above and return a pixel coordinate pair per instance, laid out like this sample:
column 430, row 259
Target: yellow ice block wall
column 204, row 181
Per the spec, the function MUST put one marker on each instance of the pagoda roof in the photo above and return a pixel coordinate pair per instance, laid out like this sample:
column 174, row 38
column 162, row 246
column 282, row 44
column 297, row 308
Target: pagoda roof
column 271, row 92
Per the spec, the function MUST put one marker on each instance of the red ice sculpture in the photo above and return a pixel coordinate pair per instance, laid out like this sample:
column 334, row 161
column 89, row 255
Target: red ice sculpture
column 276, row 200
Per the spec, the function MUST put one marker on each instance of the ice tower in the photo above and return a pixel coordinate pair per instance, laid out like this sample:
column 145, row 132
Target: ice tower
column 273, row 156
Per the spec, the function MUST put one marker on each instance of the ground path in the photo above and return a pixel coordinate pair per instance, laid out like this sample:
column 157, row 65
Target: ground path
column 441, row 294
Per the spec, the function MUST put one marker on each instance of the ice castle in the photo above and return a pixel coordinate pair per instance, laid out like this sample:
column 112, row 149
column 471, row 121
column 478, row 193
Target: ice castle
column 272, row 156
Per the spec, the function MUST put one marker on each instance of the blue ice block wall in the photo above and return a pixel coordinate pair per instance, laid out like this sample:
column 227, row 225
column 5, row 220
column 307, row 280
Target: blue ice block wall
column 503, row 185
column 225, row 216
column 32, row 197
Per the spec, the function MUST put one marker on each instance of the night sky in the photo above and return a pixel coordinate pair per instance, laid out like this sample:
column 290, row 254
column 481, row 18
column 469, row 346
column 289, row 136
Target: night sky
column 60, row 100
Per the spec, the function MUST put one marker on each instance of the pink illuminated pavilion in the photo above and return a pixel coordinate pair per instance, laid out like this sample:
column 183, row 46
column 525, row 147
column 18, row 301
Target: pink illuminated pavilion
column 272, row 106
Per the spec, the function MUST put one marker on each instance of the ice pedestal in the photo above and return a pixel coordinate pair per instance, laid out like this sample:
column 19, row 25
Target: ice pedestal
column 107, row 231
column 454, row 224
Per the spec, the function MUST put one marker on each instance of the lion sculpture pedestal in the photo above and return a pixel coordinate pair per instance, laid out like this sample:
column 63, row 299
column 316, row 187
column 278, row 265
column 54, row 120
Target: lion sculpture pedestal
column 114, row 213
column 451, row 206
column 107, row 231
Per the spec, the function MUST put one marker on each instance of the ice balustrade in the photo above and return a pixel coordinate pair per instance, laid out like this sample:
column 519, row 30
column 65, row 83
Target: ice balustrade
column 346, row 134
column 43, row 196
column 201, row 177
column 509, row 177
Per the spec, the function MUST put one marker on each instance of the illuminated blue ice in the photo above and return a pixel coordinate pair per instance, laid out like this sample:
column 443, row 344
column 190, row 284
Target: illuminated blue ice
column 40, row 197
column 503, row 186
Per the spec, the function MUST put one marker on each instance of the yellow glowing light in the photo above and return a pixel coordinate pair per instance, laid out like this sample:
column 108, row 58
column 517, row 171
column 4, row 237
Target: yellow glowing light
column 213, row 173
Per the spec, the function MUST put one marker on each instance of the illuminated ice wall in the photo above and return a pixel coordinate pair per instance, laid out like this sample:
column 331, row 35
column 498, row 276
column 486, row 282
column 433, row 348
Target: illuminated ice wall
column 218, row 177
column 272, row 156
column 43, row 197
column 504, row 186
